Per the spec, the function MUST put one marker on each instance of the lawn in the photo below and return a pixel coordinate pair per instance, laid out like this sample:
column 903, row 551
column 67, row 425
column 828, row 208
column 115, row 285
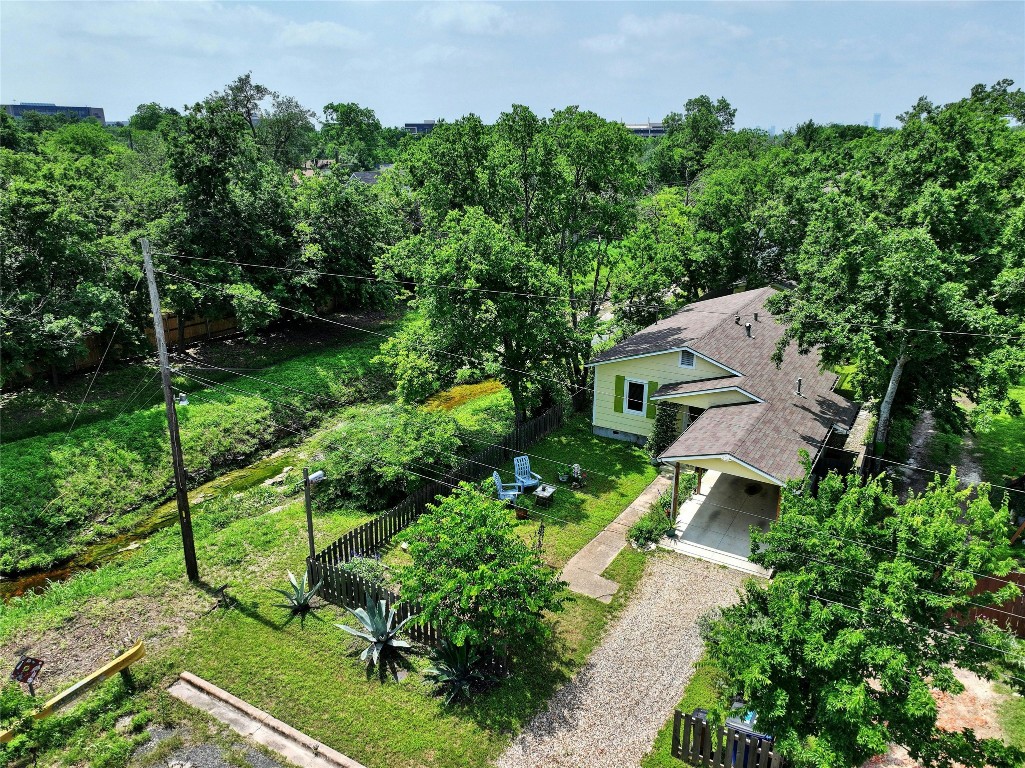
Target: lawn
column 310, row 676
column 616, row 474
column 1001, row 445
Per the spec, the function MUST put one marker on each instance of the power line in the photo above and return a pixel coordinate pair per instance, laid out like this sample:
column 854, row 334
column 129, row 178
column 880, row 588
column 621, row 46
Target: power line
column 718, row 506
column 331, row 321
column 96, row 373
column 565, row 299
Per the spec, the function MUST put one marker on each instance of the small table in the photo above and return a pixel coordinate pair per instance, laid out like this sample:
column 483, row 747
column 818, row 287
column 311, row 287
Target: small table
column 543, row 495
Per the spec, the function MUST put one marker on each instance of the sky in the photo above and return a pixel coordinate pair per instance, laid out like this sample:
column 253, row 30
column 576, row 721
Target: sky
column 778, row 63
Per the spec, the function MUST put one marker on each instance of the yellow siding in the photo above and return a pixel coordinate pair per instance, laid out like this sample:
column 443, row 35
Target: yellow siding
column 713, row 398
column 664, row 368
column 730, row 468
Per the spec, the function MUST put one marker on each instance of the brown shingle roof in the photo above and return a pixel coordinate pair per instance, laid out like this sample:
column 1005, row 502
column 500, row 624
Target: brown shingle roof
column 766, row 435
column 695, row 321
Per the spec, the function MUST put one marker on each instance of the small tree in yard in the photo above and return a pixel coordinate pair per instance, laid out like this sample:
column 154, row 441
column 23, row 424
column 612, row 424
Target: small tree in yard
column 868, row 613
column 476, row 578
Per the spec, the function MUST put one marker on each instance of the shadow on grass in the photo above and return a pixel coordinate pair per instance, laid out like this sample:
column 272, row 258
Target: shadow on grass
column 536, row 675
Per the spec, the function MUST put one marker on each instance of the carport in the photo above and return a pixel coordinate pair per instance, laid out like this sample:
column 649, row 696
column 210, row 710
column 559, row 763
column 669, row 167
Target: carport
column 715, row 523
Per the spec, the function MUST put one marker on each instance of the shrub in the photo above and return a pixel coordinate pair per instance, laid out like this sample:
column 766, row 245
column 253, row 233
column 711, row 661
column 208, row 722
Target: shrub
column 370, row 569
column 378, row 628
column 457, row 670
column 898, row 441
column 299, row 597
column 664, row 429
column 474, row 576
column 944, row 449
column 366, row 456
column 651, row 528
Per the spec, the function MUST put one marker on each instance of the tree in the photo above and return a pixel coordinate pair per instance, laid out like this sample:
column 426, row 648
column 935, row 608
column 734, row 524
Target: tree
column 474, row 281
column 287, row 133
column 473, row 576
column 869, row 610
column 351, row 135
column 376, row 455
column 680, row 156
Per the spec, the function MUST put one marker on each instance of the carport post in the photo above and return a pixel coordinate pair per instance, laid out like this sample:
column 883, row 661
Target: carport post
column 676, row 490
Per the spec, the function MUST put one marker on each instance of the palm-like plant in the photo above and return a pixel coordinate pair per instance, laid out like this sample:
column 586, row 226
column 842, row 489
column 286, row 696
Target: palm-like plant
column 378, row 629
column 456, row 669
column 299, row 598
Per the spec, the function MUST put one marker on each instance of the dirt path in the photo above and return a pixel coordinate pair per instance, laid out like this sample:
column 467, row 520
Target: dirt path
column 610, row 713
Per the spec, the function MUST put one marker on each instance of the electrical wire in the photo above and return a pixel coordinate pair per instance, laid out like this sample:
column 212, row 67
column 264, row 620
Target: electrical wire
column 610, row 477
column 564, row 299
column 96, row 373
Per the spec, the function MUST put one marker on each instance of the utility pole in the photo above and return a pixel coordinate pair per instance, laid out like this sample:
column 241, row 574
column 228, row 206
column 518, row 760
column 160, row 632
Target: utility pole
column 180, row 479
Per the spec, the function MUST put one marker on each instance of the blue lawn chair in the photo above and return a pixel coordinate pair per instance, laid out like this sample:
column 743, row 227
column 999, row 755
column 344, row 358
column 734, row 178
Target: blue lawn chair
column 526, row 480
column 504, row 493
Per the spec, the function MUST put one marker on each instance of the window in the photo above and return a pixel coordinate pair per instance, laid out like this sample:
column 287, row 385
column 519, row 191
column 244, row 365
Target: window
column 686, row 359
column 635, row 396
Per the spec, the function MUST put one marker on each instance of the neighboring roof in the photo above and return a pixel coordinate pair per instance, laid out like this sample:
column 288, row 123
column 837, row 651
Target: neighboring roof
column 692, row 322
column 367, row 177
column 766, row 435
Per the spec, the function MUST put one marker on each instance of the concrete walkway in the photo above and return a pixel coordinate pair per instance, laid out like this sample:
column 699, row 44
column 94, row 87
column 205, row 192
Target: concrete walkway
column 609, row 714
column 583, row 571
column 245, row 719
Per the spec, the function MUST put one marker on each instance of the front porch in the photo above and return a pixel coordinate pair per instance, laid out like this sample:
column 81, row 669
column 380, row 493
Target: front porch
column 714, row 525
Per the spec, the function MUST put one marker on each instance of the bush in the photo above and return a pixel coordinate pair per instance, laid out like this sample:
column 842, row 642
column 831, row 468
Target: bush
column 664, row 429
column 944, row 449
column 370, row 569
column 377, row 454
column 898, row 441
column 475, row 577
column 651, row 528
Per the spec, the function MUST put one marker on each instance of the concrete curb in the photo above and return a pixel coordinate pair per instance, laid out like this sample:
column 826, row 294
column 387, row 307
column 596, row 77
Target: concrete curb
column 318, row 753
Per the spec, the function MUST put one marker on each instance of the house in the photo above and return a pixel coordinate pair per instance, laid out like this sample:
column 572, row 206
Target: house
column 742, row 420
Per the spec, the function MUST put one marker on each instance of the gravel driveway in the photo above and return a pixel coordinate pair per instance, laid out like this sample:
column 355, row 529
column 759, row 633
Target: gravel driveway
column 609, row 714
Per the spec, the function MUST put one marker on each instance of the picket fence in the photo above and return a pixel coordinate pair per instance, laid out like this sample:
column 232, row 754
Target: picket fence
column 697, row 743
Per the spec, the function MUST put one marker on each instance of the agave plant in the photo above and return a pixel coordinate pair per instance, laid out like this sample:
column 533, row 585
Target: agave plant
column 456, row 669
column 377, row 628
column 299, row 597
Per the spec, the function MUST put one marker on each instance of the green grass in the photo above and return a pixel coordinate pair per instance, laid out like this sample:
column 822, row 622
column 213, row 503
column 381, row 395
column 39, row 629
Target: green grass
column 699, row 693
column 309, row 676
column 1002, row 444
column 62, row 492
column 617, row 473
column 1011, row 715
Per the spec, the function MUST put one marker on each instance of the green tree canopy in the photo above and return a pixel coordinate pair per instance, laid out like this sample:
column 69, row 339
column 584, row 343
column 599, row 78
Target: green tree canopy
column 869, row 610
column 475, row 577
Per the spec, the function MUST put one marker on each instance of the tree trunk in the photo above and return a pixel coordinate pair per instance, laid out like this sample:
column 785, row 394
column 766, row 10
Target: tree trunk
column 886, row 407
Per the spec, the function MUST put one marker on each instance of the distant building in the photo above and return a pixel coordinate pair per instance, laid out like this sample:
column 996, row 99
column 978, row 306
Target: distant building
column 18, row 110
column 420, row 129
column 647, row 130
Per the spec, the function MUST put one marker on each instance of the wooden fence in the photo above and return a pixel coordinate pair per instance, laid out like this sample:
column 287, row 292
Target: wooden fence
column 1010, row 615
column 346, row 589
column 697, row 743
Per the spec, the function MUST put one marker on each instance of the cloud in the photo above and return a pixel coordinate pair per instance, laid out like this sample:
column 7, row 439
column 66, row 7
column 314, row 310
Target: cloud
column 634, row 30
column 469, row 18
column 322, row 34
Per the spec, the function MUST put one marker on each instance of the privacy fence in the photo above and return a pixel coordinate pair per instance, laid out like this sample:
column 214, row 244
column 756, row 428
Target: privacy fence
column 697, row 743
column 348, row 590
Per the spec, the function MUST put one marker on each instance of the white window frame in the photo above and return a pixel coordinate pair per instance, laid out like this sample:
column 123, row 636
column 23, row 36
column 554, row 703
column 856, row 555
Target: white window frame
column 693, row 359
column 644, row 397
